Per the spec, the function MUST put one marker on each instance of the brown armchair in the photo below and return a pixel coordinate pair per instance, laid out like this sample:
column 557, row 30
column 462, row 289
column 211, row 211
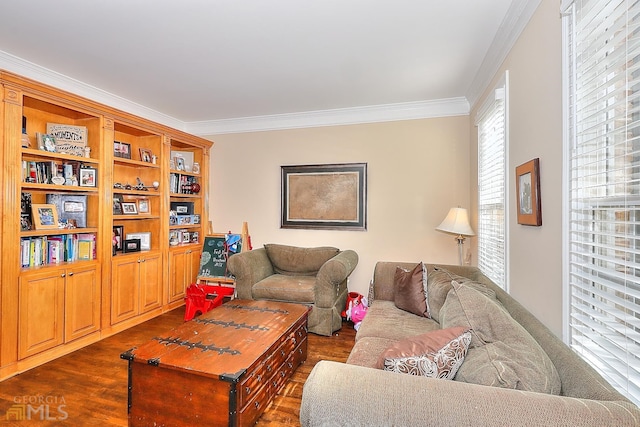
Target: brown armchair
column 316, row 277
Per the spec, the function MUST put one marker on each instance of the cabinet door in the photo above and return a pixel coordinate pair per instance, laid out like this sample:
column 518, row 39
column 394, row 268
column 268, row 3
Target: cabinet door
column 178, row 270
column 82, row 302
column 150, row 282
column 195, row 266
column 124, row 288
column 41, row 313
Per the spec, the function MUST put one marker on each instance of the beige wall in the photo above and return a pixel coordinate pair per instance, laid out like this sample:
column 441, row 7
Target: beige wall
column 535, row 130
column 417, row 170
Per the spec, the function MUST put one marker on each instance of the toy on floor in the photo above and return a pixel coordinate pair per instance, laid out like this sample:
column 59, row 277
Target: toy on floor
column 356, row 308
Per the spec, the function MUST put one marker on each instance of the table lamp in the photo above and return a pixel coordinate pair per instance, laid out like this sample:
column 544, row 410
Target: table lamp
column 457, row 222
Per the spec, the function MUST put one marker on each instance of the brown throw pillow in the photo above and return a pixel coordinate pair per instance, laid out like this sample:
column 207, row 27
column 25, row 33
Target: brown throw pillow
column 436, row 354
column 410, row 291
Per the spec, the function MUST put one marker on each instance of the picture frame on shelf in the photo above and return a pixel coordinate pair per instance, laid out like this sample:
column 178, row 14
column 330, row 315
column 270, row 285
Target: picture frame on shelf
column 118, row 237
column 179, row 163
column 129, row 208
column 186, row 237
column 117, row 204
column 143, row 206
column 172, row 164
column 143, row 237
column 131, row 245
column 45, row 216
column 125, row 150
column 117, row 149
column 25, row 222
column 196, row 167
column 88, row 177
column 529, row 206
column 46, row 142
column 145, row 155
column 195, row 237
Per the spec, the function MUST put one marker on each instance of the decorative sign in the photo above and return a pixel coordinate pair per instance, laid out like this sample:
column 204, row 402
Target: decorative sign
column 69, row 139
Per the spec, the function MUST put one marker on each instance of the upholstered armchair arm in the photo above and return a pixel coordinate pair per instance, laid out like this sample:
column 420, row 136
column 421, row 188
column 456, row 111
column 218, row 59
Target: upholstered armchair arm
column 249, row 268
column 331, row 275
column 340, row 394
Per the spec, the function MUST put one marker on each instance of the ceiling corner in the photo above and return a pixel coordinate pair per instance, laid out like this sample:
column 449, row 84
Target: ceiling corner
column 515, row 21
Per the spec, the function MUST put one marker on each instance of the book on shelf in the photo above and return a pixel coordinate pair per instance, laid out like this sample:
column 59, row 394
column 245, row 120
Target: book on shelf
column 181, row 184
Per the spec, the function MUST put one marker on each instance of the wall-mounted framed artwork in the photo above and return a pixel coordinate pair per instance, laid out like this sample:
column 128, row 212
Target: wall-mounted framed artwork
column 529, row 205
column 331, row 196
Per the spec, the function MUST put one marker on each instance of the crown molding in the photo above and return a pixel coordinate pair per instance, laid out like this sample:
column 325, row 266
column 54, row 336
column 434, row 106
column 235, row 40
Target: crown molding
column 335, row 117
column 33, row 71
column 515, row 21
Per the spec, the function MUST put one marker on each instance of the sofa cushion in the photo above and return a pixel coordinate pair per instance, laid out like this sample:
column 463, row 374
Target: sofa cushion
column 280, row 287
column 367, row 351
column 410, row 290
column 293, row 260
column 439, row 285
column 385, row 320
column 436, row 354
column 502, row 353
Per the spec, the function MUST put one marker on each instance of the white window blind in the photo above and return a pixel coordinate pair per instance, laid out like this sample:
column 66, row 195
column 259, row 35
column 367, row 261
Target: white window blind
column 602, row 44
column 491, row 124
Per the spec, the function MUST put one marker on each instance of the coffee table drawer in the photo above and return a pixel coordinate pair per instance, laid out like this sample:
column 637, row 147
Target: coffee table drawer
column 255, row 406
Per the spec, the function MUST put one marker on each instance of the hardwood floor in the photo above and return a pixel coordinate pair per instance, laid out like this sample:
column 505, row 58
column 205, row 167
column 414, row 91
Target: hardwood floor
column 89, row 387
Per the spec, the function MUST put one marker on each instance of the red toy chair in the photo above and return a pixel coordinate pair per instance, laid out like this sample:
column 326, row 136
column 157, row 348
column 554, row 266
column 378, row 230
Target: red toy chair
column 202, row 298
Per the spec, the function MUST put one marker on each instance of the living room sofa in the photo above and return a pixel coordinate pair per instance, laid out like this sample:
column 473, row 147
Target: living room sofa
column 316, row 277
column 359, row 393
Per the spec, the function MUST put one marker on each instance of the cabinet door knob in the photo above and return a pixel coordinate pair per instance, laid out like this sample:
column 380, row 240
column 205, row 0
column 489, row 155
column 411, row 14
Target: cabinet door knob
column 62, row 275
column 71, row 274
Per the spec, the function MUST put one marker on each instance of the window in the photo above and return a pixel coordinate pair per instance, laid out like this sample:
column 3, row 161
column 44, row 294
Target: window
column 492, row 143
column 602, row 240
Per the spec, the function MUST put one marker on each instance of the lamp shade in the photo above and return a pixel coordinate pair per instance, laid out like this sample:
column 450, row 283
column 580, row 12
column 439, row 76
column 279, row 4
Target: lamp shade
column 457, row 222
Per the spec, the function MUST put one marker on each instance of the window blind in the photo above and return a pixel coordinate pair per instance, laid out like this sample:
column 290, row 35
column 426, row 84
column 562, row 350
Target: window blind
column 602, row 44
column 491, row 187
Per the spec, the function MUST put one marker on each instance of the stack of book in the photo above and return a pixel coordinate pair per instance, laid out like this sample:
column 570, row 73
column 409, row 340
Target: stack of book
column 45, row 250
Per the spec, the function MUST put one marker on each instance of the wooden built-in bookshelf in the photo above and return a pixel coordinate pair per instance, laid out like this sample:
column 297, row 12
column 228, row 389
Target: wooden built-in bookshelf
column 52, row 306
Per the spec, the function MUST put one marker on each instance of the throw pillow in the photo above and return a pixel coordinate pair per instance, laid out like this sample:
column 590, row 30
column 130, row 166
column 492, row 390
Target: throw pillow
column 439, row 285
column 502, row 353
column 301, row 261
column 436, row 354
column 410, row 290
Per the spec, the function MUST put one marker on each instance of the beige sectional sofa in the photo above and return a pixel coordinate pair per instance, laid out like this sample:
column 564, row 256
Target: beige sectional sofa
column 357, row 393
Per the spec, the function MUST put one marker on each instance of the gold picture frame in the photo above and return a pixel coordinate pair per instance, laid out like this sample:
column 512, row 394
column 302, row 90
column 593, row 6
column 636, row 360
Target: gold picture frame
column 45, row 216
column 529, row 205
column 330, row 197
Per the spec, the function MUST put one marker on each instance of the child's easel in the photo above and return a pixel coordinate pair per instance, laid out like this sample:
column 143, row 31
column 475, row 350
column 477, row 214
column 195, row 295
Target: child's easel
column 213, row 283
column 244, row 244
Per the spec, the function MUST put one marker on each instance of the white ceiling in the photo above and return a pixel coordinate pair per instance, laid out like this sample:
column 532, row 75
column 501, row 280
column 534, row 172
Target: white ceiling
column 206, row 64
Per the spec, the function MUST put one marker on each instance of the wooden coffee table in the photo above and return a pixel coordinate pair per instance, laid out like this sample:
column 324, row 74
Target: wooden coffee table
column 222, row 368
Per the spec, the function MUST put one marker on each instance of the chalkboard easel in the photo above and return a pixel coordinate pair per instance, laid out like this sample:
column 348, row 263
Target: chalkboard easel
column 216, row 250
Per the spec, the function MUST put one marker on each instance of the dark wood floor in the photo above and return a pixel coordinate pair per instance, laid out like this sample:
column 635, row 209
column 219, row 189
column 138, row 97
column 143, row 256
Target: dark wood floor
column 91, row 383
